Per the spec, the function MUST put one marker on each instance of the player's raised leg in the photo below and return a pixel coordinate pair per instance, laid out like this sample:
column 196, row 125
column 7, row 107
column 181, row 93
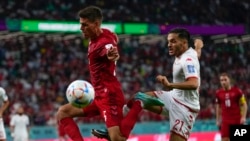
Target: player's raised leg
column 137, row 103
column 65, row 120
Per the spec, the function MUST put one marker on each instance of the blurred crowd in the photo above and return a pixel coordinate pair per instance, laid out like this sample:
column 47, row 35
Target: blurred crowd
column 156, row 11
column 35, row 69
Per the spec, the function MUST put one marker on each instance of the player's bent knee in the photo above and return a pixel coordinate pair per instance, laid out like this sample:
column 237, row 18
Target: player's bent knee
column 115, row 134
column 66, row 111
column 151, row 93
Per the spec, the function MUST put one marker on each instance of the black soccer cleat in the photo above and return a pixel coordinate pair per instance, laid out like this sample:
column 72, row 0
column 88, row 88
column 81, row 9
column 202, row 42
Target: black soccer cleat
column 102, row 134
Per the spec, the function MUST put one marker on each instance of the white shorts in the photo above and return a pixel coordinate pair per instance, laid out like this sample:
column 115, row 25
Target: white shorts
column 2, row 129
column 20, row 138
column 181, row 117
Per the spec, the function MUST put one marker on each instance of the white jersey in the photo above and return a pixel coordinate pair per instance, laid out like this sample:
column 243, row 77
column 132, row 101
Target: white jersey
column 184, row 67
column 20, row 123
column 3, row 97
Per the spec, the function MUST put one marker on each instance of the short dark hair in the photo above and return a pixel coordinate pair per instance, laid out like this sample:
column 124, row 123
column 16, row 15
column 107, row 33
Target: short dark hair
column 182, row 33
column 224, row 74
column 92, row 13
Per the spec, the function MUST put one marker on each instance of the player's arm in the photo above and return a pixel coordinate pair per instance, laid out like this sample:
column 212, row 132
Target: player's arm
column 190, row 83
column 28, row 126
column 112, row 53
column 218, row 114
column 4, row 106
column 198, row 45
column 12, row 126
column 243, row 106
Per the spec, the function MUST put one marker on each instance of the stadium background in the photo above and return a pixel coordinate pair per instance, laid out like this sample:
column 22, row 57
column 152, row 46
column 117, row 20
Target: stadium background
column 37, row 64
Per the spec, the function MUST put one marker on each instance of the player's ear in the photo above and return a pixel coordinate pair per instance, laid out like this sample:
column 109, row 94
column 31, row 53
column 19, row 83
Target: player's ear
column 98, row 23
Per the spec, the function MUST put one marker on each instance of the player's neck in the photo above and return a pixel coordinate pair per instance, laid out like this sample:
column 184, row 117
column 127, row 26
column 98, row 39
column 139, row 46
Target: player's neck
column 98, row 33
column 227, row 88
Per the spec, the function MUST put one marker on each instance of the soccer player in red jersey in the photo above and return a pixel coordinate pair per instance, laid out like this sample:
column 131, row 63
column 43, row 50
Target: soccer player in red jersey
column 231, row 106
column 109, row 99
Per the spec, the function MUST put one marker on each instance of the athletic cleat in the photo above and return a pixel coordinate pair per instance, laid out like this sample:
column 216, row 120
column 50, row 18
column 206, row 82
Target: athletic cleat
column 102, row 134
column 148, row 100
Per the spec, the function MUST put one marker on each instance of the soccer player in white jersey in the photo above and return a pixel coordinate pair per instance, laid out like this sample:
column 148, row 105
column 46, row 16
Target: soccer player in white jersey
column 4, row 105
column 182, row 101
column 19, row 126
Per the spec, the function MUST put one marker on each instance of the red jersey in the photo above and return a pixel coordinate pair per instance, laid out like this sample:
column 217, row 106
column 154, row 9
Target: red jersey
column 102, row 70
column 229, row 101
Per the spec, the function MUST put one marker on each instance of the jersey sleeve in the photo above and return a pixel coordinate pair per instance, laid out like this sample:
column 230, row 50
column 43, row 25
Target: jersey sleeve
column 105, row 47
column 217, row 100
column 3, row 94
column 241, row 96
column 190, row 68
column 12, row 121
column 27, row 120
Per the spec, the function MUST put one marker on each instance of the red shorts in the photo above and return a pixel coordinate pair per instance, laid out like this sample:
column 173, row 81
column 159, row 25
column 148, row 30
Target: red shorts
column 109, row 105
column 225, row 127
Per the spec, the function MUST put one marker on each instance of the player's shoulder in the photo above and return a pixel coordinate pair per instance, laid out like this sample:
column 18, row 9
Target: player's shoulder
column 189, row 55
column 219, row 91
column 107, row 37
column 2, row 92
column 236, row 89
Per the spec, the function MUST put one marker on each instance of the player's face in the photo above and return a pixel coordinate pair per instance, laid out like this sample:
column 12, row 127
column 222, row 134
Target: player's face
column 88, row 28
column 20, row 110
column 224, row 81
column 176, row 45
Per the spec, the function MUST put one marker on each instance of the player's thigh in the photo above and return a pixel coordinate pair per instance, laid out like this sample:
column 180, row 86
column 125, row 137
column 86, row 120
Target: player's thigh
column 111, row 107
column 181, row 120
column 115, row 134
column 2, row 130
column 154, row 109
column 69, row 110
column 225, row 130
column 158, row 109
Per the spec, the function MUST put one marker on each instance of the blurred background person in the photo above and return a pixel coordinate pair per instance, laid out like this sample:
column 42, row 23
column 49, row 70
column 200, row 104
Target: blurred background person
column 231, row 106
column 19, row 125
column 4, row 105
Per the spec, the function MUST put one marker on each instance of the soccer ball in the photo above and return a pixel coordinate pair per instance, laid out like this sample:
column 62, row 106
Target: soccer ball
column 80, row 93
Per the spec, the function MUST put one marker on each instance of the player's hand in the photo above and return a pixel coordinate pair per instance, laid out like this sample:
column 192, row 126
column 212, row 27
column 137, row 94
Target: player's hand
column 163, row 80
column 12, row 135
column 218, row 123
column 1, row 113
column 198, row 43
column 113, row 54
column 242, row 120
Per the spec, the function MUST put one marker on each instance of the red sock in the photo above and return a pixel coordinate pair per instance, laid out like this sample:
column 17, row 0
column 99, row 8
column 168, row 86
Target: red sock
column 61, row 132
column 70, row 128
column 129, row 121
